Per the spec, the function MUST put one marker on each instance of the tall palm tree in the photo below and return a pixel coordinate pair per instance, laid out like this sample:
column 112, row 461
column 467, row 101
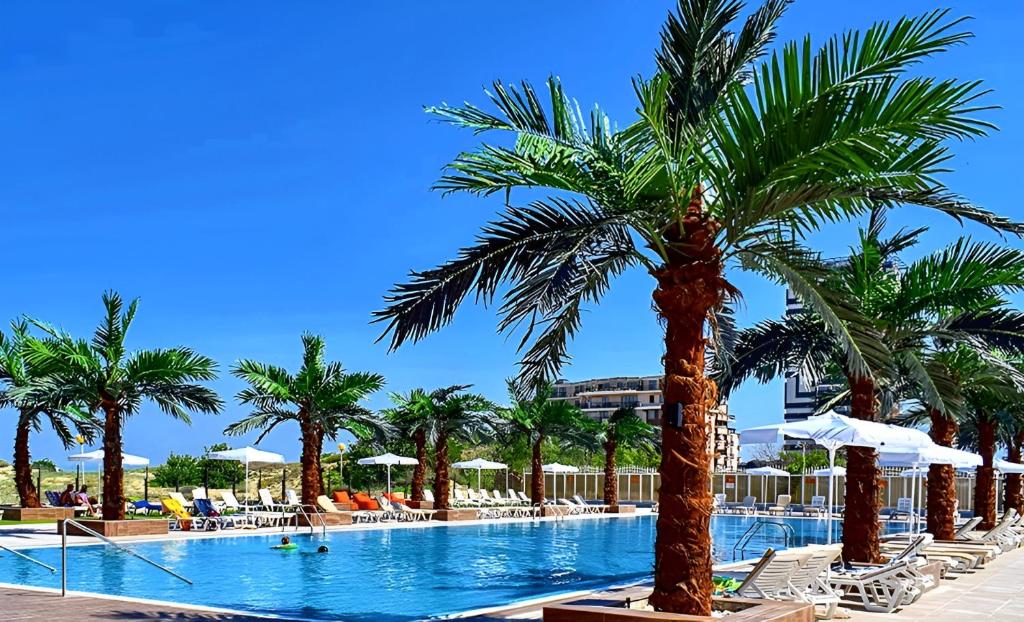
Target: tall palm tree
column 1013, row 439
column 539, row 419
column 103, row 376
column 992, row 409
column 411, row 416
column 321, row 397
column 459, row 416
column 709, row 175
column 19, row 384
column 952, row 296
column 622, row 429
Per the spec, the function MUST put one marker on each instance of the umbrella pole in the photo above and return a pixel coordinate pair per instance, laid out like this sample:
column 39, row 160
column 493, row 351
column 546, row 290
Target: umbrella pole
column 145, row 486
column 478, row 473
column 247, row 487
column 389, row 480
column 831, row 475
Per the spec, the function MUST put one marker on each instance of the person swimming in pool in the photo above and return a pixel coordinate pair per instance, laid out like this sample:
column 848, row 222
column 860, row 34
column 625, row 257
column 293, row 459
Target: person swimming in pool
column 322, row 549
column 286, row 544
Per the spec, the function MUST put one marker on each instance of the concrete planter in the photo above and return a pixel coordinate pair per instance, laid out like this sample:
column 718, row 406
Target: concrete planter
column 331, row 519
column 14, row 513
column 420, row 505
column 620, row 509
column 118, row 528
column 454, row 515
column 741, row 610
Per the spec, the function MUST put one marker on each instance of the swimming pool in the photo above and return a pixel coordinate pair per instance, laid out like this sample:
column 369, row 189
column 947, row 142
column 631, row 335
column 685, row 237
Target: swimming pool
column 394, row 575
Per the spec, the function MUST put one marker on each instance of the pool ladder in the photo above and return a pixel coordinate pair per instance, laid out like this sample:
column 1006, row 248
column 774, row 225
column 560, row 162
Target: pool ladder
column 309, row 521
column 740, row 548
column 106, row 540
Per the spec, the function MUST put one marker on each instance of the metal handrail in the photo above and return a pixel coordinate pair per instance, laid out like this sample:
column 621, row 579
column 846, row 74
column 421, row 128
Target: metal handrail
column 748, row 535
column 31, row 559
column 91, row 532
column 302, row 510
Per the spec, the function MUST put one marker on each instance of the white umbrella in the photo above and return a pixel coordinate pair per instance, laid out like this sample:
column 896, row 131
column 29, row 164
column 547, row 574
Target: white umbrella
column 1008, row 467
column 389, row 460
column 97, row 457
column 920, row 458
column 250, row 456
column 554, row 468
column 765, row 472
column 839, row 471
column 480, row 465
column 833, row 431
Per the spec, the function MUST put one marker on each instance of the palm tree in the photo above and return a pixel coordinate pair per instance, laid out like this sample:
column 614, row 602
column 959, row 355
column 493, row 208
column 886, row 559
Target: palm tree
column 952, row 296
column 19, row 380
column 992, row 395
column 321, row 397
column 460, row 417
column 1013, row 439
column 539, row 419
column 709, row 175
column 411, row 416
column 622, row 429
column 104, row 377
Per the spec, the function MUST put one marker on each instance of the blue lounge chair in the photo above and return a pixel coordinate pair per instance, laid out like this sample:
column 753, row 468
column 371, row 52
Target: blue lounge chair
column 213, row 518
column 146, row 506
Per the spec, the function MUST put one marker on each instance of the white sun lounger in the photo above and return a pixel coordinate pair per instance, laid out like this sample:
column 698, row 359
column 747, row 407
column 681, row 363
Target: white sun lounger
column 808, row 583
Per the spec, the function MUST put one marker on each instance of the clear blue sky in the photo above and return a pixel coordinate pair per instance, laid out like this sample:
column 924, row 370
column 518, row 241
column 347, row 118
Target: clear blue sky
column 253, row 174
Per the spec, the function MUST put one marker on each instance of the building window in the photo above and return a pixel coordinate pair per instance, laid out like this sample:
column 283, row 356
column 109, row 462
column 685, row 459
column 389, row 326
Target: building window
column 651, row 400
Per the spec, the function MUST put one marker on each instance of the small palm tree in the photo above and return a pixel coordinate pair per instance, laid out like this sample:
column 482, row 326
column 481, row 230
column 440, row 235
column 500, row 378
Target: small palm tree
column 622, row 429
column 709, row 175
column 321, row 397
column 20, row 382
column 540, row 419
column 411, row 416
column 461, row 417
column 104, row 377
column 953, row 296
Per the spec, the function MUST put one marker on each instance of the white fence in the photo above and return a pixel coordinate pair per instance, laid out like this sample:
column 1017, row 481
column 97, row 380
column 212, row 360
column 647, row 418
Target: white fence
column 640, row 485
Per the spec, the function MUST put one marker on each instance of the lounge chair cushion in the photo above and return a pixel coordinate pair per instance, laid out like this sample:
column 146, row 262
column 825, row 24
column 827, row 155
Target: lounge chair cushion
column 341, row 496
column 364, row 502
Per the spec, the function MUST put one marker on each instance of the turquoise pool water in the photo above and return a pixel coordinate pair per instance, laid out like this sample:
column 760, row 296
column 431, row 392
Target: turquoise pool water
column 395, row 575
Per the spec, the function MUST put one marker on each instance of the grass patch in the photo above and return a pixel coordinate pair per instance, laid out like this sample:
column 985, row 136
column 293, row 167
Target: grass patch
column 25, row 522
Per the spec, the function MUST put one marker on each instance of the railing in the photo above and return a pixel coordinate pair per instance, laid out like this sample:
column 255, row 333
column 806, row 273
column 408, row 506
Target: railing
column 91, row 532
column 740, row 547
column 309, row 521
column 26, row 557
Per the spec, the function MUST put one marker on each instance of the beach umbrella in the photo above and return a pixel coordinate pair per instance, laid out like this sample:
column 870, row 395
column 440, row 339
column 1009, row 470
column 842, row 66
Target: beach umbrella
column 97, row 457
column 765, row 472
column 554, row 468
column 919, row 459
column 388, row 460
column 1008, row 467
column 833, row 431
column 481, row 465
column 250, row 456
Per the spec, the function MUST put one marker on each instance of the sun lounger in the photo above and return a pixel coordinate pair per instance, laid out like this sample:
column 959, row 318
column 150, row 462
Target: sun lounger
column 591, row 508
column 749, row 506
column 966, row 528
column 180, row 518
column 574, row 508
column 145, row 506
column 180, row 498
column 904, row 509
column 817, row 507
column 781, row 505
column 213, row 518
column 771, row 580
column 881, row 589
column 808, row 583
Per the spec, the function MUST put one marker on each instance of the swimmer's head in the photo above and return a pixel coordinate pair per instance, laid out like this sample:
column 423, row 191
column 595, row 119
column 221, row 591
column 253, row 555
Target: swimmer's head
column 322, row 549
column 285, row 540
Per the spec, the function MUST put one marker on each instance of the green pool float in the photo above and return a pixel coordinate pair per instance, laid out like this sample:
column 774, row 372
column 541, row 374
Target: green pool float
column 286, row 547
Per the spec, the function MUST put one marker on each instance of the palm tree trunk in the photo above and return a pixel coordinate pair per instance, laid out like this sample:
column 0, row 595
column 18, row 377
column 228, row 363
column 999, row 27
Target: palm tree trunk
column 690, row 284
column 537, row 471
column 113, row 470
column 27, row 493
column 420, row 472
column 312, row 444
column 611, row 474
column 441, row 471
column 985, row 480
column 942, row 482
column 863, row 484
column 1013, row 498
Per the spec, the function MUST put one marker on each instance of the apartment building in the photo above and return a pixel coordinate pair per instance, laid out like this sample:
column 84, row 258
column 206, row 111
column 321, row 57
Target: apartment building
column 600, row 397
